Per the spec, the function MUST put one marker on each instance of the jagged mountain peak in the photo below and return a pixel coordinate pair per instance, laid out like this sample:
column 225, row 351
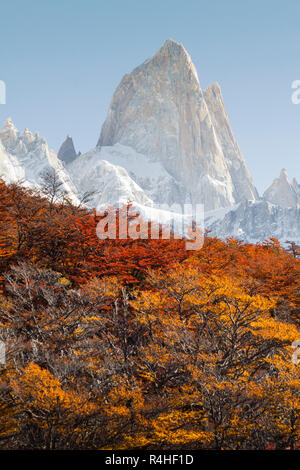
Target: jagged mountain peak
column 26, row 157
column 170, row 43
column 67, row 152
column 160, row 111
column 9, row 133
column 172, row 57
column 16, row 142
column 28, row 136
column 284, row 174
column 8, row 123
column 172, row 48
column 296, row 185
column 214, row 88
column 282, row 192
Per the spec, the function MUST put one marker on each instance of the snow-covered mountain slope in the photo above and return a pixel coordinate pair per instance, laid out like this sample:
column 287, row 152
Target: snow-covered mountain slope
column 141, row 179
column 113, row 185
column 26, row 157
column 161, row 112
column 256, row 221
column 93, row 171
column 282, row 192
column 10, row 168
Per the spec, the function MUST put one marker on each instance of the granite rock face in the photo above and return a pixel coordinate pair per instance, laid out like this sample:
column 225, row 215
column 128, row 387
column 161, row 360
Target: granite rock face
column 243, row 185
column 282, row 192
column 67, row 151
column 160, row 111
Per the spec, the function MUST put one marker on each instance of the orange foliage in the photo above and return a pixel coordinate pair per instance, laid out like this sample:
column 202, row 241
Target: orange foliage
column 130, row 344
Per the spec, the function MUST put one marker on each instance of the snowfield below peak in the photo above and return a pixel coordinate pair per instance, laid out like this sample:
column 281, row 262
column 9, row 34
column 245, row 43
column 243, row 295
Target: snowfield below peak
column 134, row 177
column 110, row 182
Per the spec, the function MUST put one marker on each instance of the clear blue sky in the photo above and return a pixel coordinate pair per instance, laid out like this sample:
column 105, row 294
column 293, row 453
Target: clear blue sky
column 62, row 60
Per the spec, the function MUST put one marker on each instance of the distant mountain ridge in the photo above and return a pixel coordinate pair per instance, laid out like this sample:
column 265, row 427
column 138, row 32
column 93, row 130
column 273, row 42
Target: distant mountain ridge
column 164, row 141
column 26, row 157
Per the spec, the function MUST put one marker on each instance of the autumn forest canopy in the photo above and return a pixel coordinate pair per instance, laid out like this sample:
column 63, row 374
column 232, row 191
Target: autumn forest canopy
column 142, row 344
